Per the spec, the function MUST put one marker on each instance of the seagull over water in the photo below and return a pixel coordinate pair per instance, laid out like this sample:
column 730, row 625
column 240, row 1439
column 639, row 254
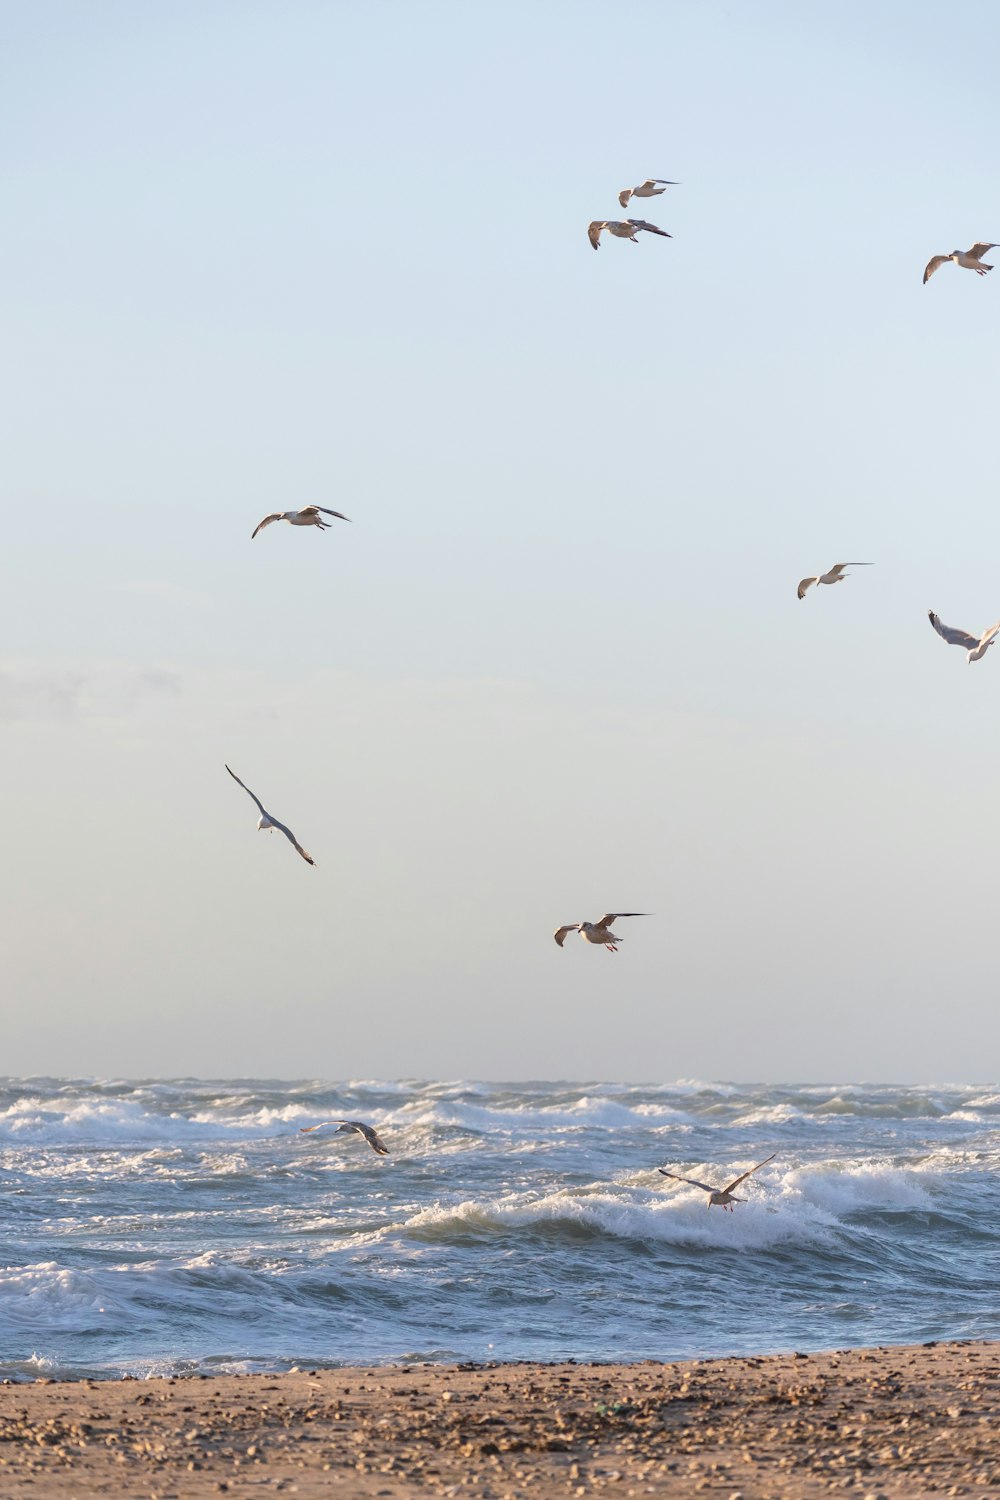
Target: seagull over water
column 721, row 1197
column 372, row 1136
column 266, row 821
column 647, row 189
column 972, row 260
column 835, row 575
column 312, row 515
column 598, row 933
column 623, row 229
column 976, row 646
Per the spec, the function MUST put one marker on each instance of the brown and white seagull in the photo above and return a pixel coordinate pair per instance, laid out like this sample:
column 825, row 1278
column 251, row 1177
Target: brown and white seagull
column 972, row 260
column 312, row 515
column 622, row 229
column 720, row 1197
column 651, row 188
column 976, row 646
column 599, row 933
column 266, row 821
column 372, row 1136
column 835, row 575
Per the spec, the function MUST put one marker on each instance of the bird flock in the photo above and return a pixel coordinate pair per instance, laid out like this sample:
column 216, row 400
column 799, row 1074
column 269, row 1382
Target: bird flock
column 600, row 934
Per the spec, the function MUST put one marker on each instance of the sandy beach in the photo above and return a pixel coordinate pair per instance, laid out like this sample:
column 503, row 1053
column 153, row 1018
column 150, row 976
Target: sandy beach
column 895, row 1421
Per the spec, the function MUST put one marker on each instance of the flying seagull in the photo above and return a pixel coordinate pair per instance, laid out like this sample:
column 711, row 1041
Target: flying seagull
column 373, row 1138
column 598, row 933
column 647, row 189
column 972, row 260
column 265, row 821
column 835, row 575
column 976, row 646
column 721, row 1197
column 311, row 516
column 624, row 229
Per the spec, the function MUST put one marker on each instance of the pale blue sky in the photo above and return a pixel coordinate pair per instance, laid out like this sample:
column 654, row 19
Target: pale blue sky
column 262, row 254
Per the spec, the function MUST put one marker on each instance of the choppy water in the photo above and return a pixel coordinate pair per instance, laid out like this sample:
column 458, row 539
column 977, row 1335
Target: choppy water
column 174, row 1226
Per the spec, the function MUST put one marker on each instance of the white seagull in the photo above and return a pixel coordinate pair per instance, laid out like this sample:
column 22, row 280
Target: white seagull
column 647, row 189
column 721, row 1197
column 835, row 575
column 265, row 821
column 623, row 229
column 598, row 933
column 972, row 260
column 373, row 1138
column 312, row 515
column 976, row 646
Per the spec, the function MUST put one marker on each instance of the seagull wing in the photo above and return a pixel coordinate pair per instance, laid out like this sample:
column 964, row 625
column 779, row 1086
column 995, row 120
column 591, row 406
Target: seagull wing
column 372, row 1136
column 279, row 515
column 560, row 932
column 311, row 510
column 611, row 917
column 650, row 228
column 933, row 264
column 738, row 1180
column 664, row 180
column 951, row 635
column 624, row 196
column 249, row 793
column 289, row 835
column 804, row 585
column 692, row 1180
column 980, row 248
column 988, row 635
column 594, row 232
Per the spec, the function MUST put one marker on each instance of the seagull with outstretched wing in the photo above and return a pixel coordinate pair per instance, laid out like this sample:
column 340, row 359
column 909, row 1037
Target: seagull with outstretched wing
column 266, row 821
column 312, row 515
column 651, row 188
column 976, row 646
column 598, row 933
column 972, row 259
column 371, row 1135
column 622, row 229
column 720, row 1197
column 835, row 575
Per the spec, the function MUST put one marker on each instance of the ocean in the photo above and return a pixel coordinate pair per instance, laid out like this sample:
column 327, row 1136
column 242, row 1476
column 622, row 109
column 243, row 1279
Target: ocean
column 162, row 1227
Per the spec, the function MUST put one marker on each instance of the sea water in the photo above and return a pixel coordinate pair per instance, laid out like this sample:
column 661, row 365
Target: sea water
column 157, row 1227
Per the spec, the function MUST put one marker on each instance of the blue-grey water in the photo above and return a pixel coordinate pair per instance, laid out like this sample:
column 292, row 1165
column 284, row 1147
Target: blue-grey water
column 154, row 1227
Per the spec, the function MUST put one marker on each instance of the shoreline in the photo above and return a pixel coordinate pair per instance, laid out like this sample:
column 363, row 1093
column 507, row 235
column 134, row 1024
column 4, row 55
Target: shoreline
column 897, row 1420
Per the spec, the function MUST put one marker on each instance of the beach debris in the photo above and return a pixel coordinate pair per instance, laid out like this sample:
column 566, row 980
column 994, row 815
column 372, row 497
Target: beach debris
column 835, row 575
column 623, row 229
column 598, row 932
column 651, row 188
column 266, row 822
column 311, row 516
column 371, row 1135
column 972, row 260
column 976, row 647
column 720, row 1197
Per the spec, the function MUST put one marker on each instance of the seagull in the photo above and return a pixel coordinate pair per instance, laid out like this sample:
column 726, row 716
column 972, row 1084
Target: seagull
column 972, row 260
column 835, row 575
column 265, row 821
column 624, row 229
column 598, row 933
column 721, row 1197
column 976, row 646
column 308, row 517
column 647, row 189
column 373, row 1138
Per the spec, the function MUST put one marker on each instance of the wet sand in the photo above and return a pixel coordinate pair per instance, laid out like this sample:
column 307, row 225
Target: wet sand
column 893, row 1422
